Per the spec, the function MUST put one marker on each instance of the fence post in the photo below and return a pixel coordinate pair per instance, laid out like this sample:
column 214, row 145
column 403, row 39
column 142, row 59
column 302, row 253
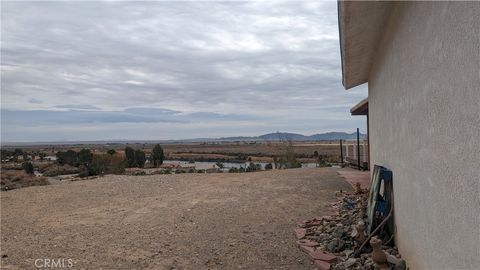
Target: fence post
column 358, row 148
column 341, row 152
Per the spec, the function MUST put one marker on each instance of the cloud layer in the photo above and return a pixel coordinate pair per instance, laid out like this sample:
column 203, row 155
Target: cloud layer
column 105, row 70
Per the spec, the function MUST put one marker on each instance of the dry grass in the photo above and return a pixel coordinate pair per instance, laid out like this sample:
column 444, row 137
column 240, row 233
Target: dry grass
column 55, row 169
column 18, row 179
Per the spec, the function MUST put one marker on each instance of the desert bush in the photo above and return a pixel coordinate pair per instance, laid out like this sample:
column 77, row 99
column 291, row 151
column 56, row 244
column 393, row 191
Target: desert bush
column 233, row 170
column 288, row 159
column 139, row 173
column 55, row 169
column 28, row 167
column 18, row 179
column 322, row 161
column 252, row 167
column 268, row 166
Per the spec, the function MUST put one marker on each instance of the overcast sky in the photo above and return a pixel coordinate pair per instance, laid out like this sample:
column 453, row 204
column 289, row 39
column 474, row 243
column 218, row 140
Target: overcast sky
column 171, row 70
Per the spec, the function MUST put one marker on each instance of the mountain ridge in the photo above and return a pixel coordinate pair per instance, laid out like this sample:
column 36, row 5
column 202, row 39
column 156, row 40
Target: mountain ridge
column 287, row 136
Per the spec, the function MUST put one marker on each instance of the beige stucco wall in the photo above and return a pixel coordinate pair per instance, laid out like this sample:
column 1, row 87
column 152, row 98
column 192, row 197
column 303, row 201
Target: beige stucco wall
column 424, row 104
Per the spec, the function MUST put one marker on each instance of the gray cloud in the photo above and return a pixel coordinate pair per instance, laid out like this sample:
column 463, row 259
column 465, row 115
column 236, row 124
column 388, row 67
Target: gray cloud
column 261, row 66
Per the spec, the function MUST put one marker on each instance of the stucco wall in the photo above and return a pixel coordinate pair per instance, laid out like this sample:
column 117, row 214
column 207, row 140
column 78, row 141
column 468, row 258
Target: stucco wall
column 424, row 104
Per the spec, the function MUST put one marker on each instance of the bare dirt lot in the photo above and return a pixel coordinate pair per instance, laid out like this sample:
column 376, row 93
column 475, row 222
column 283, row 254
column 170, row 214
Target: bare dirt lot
column 187, row 221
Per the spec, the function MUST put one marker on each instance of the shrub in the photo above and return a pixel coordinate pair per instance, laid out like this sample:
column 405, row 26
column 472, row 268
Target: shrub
column 18, row 179
column 268, row 166
column 322, row 161
column 252, row 167
column 288, row 159
column 28, row 167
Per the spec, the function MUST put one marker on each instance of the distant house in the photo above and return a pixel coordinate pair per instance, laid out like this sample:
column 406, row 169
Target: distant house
column 421, row 61
column 51, row 158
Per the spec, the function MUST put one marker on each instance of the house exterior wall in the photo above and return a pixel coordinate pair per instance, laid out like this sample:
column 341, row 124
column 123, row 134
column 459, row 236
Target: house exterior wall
column 424, row 109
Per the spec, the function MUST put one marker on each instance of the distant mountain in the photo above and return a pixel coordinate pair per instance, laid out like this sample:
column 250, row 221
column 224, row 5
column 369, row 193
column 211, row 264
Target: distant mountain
column 285, row 136
column 277, row 136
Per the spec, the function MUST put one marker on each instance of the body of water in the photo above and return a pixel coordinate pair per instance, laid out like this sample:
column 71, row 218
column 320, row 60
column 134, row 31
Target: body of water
column 203, row 165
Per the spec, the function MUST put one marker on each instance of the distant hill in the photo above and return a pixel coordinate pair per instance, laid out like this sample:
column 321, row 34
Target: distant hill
column 285, row 136
column 277, row 136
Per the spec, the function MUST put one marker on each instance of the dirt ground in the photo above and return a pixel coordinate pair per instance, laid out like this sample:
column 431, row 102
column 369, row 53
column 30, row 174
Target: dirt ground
column 187, row 221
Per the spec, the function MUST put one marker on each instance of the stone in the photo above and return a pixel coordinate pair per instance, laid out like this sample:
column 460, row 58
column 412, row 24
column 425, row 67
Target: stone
column 348, row 252
column 306, row 242
column 313, row 222
column 392, row 259
column 341, row 245
column 323, row 256
column 350, row 262
column 300, row 232
column 322, row 265
column 306, row 249
column 332, row 246
column 400, row 265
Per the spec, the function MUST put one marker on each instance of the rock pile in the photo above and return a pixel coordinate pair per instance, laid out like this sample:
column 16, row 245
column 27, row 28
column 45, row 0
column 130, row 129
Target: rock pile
column 333, row 242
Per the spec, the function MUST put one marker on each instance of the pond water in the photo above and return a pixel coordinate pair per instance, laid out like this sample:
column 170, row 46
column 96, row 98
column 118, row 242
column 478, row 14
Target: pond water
column 203, row 165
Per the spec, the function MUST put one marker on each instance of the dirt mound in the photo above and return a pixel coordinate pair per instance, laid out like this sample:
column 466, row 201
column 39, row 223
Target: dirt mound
column 18, row 179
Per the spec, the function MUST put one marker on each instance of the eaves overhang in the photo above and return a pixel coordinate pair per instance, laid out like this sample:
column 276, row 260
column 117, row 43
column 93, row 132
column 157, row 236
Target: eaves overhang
column 361, row 26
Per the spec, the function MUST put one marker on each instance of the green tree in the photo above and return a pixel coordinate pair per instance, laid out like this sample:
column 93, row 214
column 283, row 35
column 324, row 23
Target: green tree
column 130, row 156
column 111, row 152
column 16, row 153
column 70, row 157
column 157, row 156
column 140, row 158
column 85, row 157
column 28, row 167
column 7, row 155
column 315, row 153
column 99, row 165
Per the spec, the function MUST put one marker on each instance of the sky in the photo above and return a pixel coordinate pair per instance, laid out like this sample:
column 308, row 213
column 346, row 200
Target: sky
column 171, row 70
